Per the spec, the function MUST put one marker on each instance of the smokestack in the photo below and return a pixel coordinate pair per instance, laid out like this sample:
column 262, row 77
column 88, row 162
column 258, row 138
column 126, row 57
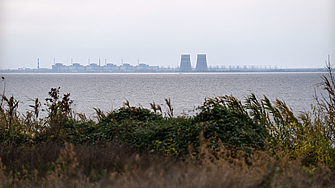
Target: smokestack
column 54, row 60
column 38, row 63
column 105, row 61
column 88, row 61
column 122, row 61
column 99, row 62
column 71, row 61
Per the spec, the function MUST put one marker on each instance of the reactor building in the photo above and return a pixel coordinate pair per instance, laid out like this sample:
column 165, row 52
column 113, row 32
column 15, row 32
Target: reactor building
column 201, row 63
column 185, row 63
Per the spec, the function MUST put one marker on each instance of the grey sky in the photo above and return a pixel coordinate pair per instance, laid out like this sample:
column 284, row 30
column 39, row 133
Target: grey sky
column 285, row 33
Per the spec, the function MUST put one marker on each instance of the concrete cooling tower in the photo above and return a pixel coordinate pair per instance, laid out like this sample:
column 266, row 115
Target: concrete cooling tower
column 201, row 63
column 185, row 62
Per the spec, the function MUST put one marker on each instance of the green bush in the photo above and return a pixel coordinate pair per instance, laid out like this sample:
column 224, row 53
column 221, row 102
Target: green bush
column 133, row 114
column 230, row 124
column 146, row 130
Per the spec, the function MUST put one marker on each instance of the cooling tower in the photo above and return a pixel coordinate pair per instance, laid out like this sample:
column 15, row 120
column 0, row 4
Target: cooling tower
column 185, row 63
column 201, row 63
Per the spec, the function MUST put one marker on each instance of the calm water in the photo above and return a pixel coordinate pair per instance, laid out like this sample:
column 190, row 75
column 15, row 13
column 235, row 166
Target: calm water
column 109, row 91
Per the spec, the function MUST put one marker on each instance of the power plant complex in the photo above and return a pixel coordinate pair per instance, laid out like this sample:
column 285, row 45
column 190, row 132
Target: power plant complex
column 185, row 66
column 185, row 63
column 93, row 67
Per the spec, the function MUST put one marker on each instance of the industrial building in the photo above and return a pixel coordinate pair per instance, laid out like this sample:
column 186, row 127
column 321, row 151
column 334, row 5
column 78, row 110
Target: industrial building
column 96, row 68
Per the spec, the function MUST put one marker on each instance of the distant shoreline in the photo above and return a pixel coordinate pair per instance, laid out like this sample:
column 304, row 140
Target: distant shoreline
column 166, row 70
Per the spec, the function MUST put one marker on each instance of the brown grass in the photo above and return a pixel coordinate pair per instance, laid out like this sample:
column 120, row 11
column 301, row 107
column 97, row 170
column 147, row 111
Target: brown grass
column 110, row 165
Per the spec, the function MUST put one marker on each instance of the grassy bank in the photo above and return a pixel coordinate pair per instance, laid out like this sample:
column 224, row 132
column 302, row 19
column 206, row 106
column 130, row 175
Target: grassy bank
column 228, row 143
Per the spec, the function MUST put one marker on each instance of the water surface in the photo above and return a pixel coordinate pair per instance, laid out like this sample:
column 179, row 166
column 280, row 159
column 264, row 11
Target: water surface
column 186, row 90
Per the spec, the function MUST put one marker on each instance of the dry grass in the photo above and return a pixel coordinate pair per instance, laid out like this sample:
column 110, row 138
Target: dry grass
column 110, row 165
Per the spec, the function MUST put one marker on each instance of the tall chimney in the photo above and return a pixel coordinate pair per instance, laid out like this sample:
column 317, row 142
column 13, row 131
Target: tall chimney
column 38, row 63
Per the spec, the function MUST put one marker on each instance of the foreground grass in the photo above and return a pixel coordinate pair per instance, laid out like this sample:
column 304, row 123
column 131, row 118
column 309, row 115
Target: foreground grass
column 223, row 145
column 111, row 165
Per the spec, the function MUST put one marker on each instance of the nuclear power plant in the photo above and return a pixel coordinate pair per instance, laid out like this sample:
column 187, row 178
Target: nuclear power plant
column 185, row 63
column 125, row 67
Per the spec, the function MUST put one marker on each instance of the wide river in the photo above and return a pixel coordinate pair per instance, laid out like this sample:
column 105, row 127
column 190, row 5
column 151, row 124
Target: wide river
column 186, row 90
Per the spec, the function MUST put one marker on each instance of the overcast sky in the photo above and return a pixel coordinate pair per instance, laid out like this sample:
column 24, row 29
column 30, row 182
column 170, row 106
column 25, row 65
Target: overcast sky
column 283, row 33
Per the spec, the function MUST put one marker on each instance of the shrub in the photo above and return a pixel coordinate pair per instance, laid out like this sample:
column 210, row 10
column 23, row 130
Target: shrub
column 224, row 118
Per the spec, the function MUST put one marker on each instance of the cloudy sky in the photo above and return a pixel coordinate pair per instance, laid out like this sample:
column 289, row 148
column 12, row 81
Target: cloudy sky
column 283, row 33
